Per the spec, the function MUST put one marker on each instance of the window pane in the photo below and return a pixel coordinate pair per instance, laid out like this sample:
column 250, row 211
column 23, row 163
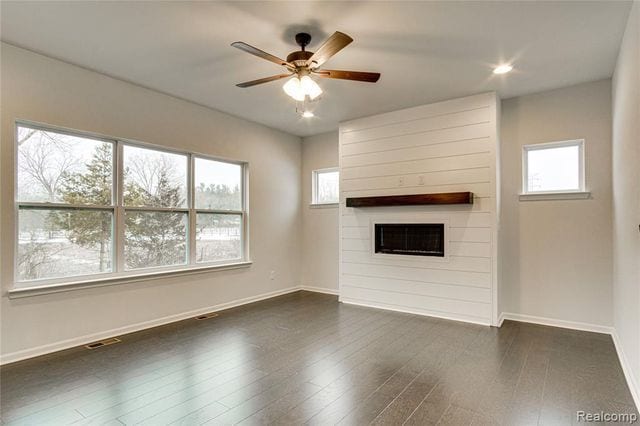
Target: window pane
column 155, row 239
column 154, row 178
column 58, row 168
column 63, row 243
column 327, row 187
column 553, row 169
column 218, row 185
column 218, row 237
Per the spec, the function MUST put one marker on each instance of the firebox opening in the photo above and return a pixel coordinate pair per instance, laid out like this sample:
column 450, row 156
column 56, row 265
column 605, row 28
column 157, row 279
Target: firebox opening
column 413, row 239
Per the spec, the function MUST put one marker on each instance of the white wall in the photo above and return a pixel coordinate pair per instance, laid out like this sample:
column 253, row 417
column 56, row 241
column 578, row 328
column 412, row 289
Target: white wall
column 556, row 255
column 49, row 91
column 626, row 200
column 319, row 223
column 444, row 147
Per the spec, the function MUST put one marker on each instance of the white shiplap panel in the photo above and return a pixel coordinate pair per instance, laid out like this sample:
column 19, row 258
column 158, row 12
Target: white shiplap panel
column 470, row 249
column 456, row 219
column 470, row 235
column 455, row 148
column 431, row 110
column 419, row 126
column 356, row 232
column 470, row 161
column 465, row 176
column 417, row 302
column 469, row 264
column 426, row 275
column 445, row 147
column 472, row 294
column 470, row 134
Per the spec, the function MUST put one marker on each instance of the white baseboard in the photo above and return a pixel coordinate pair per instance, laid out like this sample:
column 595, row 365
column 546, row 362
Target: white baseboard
column 634, row 387
column 333, row 291
column 83, row 340
column 414, row 312
column 574, row 325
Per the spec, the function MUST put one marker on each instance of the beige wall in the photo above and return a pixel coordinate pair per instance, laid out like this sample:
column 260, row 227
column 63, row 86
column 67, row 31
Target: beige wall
column 557, row 255
column 49, row 91
column 626, row 200
column 320, row 223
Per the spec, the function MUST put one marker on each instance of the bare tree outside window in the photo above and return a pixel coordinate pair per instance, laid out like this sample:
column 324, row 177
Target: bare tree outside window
column 154, row 179
column 68, row 171
column 67, row 203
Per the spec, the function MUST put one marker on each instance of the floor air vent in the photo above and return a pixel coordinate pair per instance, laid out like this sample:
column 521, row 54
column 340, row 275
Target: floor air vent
column 206, row 316
column 101, row 343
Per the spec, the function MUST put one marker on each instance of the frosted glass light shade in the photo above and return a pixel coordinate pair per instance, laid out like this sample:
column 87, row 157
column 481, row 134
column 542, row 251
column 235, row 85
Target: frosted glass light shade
column 293, row 88
column 299, row 88
column 310, row 87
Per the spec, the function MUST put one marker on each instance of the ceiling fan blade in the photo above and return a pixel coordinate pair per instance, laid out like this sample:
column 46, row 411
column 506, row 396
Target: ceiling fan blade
column 261, row 54
column 333, row 45
column 263, row 80
column 369, row 77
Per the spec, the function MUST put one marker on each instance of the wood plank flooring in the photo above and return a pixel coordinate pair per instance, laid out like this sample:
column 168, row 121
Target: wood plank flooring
column 304, row 358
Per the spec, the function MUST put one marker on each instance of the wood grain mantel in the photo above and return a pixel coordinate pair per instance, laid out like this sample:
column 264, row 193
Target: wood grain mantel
column 412, row 200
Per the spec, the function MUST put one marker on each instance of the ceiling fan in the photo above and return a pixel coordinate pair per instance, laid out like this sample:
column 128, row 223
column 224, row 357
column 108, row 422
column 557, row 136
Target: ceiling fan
column 302, row 64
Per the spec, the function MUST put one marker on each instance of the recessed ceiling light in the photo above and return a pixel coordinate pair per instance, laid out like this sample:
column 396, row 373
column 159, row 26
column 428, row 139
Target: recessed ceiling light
column 502, row 69
column 307, row 114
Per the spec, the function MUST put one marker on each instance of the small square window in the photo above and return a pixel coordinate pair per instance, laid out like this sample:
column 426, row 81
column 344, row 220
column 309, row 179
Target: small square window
column 556, row 167
column 325, row 186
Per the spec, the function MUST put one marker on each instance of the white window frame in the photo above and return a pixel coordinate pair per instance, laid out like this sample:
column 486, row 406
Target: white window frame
column 314, row 186
column 555, row 194
column 119, row 274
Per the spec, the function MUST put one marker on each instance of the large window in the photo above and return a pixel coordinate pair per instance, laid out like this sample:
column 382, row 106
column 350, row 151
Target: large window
column 93, row 207
column 325, row 189
column 556, row 167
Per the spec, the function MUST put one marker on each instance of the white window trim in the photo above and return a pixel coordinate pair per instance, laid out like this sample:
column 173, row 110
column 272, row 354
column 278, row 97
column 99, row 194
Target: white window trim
column 314, row 187
column 120, row 275
column 107, row 280
column 578, row 193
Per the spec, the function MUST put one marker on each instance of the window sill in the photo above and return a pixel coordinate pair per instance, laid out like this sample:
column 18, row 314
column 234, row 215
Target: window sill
column 578, row 195
column 324, row 205
column 101, row 282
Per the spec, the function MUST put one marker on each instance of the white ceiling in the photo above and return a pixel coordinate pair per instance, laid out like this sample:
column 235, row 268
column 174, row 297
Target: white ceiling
column 426, row 51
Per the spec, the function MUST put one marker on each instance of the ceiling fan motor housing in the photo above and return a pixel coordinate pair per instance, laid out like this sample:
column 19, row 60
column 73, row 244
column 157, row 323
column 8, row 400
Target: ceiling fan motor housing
column 299, row 58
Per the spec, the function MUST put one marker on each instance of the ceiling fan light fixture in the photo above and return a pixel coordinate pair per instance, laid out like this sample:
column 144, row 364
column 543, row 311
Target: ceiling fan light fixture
column 299, row 88
column 503, row 69
column 307, row 114
column 293, row 88
column 310, row 87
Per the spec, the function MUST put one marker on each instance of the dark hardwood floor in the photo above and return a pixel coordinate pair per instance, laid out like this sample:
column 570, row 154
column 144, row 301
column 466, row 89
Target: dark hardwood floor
column 305, row 358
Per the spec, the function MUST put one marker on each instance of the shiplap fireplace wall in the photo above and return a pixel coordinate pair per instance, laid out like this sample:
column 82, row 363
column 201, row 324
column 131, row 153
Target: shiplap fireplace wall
column 443, row 147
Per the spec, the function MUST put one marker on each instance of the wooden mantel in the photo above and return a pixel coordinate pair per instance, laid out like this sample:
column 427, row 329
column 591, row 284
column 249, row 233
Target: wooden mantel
column 412, row 200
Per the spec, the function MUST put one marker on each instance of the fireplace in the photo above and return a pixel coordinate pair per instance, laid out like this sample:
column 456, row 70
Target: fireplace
column 410, row 239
